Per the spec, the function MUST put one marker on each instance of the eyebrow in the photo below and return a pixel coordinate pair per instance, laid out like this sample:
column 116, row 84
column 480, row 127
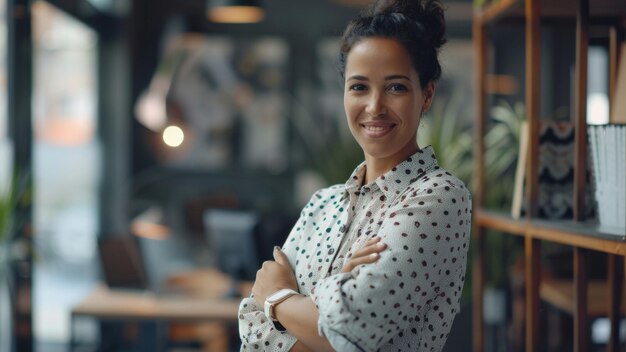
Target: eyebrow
column 388, row 78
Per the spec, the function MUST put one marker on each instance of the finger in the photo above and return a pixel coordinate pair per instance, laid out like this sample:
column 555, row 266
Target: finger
column 280, row 257
column 372, row 240
column 367, row 250
column 354, row 262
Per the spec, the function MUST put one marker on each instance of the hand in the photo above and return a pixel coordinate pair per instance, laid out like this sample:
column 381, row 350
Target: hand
column 273, row 276
column 299, row 347
column 370, row 253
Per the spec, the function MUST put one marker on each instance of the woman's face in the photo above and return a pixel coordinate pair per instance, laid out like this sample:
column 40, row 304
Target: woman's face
column 383, row 99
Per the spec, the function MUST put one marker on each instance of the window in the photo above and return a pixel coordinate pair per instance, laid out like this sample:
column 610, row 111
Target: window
column 66, row 161
column 597, row 86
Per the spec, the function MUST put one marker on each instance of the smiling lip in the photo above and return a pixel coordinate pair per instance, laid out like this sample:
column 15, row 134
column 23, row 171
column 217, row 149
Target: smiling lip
column 377, row 129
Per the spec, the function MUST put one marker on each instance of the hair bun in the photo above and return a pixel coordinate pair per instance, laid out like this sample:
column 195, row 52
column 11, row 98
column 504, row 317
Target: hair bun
column 428, row 13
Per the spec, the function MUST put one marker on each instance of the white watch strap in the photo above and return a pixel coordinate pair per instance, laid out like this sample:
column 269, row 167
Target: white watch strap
column 275, row 298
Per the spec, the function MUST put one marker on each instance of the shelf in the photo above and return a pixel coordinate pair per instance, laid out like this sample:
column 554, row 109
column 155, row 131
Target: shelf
column 577, row 234
column 573, row 232
column 500, row 221
column 514, row 9
column 560, row 293
column 580, row 297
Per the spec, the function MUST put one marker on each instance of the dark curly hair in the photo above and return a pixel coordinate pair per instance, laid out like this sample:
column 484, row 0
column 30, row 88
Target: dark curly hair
column 419, row 25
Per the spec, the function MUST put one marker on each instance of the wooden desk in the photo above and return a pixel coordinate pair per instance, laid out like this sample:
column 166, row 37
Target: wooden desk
column 199, row 301
column 104, row 303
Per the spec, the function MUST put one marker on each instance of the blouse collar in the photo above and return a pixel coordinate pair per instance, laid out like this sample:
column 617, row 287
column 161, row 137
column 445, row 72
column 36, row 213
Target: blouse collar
column 394, row 181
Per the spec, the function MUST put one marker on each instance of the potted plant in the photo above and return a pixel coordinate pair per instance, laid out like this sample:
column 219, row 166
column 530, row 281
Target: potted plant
column 14, row 196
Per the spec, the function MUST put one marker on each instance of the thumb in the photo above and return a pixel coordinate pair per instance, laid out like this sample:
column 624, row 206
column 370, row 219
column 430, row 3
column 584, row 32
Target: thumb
column 280, row 257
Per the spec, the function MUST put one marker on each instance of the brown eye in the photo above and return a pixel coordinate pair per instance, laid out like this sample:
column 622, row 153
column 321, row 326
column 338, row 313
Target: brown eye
column 397, row 88
column 358, row 87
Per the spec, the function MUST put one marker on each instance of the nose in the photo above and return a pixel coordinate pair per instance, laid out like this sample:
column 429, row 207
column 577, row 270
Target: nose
column 376, row 105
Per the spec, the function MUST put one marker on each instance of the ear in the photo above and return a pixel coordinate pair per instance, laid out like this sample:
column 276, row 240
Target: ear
column 429, row 93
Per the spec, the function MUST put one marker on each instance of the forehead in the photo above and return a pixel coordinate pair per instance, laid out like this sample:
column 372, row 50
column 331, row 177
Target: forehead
column 379, row 54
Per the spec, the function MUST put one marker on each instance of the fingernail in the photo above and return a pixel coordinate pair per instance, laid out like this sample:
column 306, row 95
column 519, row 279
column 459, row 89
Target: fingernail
column 374, row 255
column 381, row 245
column 276, row 248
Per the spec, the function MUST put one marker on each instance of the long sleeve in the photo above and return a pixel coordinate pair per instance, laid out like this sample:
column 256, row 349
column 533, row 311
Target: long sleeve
column 415, row 286
column 257, row 333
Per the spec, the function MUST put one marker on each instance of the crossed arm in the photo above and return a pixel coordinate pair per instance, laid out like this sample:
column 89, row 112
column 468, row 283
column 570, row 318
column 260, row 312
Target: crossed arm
column 299, row 314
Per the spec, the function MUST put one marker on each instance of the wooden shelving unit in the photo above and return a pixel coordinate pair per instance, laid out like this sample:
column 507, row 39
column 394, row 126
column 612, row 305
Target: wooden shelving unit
column 574, row 233
column 580, row 297
column 559, row 293
column 515, row 9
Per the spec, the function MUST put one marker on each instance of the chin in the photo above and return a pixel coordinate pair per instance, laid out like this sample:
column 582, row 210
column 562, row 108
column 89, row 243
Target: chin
column 378, row 152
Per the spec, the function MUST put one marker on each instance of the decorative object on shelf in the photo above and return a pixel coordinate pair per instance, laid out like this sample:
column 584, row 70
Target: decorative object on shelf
column 520, row 172
column 607, row 144
column 618, row 105
column 235, row 11
column 556, row 173
column 556, row 170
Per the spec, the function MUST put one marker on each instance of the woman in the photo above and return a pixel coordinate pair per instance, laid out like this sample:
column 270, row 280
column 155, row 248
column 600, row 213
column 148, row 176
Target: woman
column 377, row 264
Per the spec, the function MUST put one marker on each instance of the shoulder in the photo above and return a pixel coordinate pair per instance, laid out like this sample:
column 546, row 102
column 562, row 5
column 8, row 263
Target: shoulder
column 438, row 184
column 326, row 194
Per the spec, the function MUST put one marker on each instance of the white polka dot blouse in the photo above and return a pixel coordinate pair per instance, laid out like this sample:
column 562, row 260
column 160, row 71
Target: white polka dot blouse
column 407, row 300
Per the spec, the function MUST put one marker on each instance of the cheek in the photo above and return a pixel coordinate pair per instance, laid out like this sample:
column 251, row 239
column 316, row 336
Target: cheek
column 350, row 109
column 410, row 112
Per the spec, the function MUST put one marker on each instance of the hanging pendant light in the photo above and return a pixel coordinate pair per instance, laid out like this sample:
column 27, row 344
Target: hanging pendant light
column 235, row 11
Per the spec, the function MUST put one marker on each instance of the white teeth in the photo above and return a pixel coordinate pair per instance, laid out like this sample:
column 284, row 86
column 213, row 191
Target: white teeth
column 375, row 128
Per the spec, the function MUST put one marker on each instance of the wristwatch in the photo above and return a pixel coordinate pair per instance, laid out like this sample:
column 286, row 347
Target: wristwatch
column 272, row 301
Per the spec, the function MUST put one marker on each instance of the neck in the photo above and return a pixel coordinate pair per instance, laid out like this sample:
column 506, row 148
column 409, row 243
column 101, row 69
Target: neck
column 377, row 167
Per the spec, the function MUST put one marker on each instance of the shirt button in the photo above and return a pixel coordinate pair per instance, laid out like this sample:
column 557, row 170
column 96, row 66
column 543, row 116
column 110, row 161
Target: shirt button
column 331, row 251
column 342, row 229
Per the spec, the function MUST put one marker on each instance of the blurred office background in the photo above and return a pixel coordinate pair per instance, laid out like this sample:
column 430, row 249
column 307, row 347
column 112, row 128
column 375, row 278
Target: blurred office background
column 136, row 118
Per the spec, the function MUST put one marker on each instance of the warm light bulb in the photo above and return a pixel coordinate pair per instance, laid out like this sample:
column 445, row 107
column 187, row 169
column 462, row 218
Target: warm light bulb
column 236, row 14
column 173, row 136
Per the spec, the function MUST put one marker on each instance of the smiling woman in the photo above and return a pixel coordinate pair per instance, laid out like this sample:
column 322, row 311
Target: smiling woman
column 377, row 263
column 384, row 101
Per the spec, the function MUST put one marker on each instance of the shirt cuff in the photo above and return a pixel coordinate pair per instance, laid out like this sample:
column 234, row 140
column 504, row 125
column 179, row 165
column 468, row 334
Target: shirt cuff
column 257, row 333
